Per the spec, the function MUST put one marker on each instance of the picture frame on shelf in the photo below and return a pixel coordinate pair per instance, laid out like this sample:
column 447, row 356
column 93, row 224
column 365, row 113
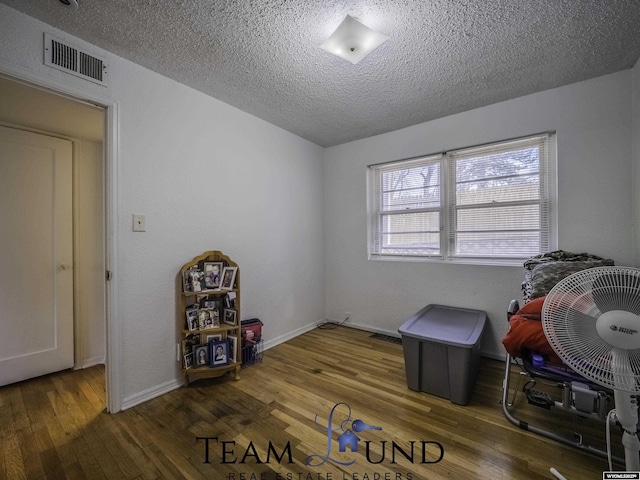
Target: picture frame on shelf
column 215, row 337
column 186, row 281
column 233, row 348
column 192, row 319
column 200, row 356
column 192, row 279
column 204, row 319
column 228, row 278
column 230, row 300
column 208, row 303
column 212, row 274
column 230, row 317
column 188, row 361
column 215, row 317
column 208, row 318
column 219, row 353
column 190, row 342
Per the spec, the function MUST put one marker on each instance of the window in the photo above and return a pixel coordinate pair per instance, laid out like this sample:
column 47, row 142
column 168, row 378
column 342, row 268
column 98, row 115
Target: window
column 488, row 203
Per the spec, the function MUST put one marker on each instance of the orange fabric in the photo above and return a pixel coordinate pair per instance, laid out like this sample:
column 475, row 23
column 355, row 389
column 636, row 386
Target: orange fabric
column 532, row 308
column 526, row 333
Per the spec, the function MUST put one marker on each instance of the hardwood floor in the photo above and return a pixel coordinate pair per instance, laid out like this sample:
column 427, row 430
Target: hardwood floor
column 262, row 427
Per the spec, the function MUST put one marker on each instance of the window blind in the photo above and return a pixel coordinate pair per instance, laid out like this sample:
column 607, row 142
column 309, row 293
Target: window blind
column 408, row 206
column 498, row 200
column 490, row 203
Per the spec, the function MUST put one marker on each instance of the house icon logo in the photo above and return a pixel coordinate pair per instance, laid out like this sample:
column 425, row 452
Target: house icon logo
column 348, row 438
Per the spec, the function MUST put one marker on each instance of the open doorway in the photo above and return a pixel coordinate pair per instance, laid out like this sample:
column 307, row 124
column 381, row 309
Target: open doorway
column 32, row 112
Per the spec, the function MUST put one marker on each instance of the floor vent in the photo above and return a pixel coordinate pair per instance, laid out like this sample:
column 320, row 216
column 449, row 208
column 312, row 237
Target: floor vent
column 386, row 338
column 67, row 58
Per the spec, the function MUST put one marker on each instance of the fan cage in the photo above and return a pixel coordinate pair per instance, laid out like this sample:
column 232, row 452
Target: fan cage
column 569, row 317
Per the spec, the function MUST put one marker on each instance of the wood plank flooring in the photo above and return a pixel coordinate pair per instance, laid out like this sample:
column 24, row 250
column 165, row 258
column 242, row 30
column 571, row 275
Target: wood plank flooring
column 264, row 426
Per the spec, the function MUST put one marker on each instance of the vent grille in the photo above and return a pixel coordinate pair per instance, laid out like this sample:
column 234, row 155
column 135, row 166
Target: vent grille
column 91, row 66
column 74, row 61
column 386, row 338
column 64, row 56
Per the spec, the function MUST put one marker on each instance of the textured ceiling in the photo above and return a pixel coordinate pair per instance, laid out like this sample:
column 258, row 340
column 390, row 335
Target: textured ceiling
column 442, row 57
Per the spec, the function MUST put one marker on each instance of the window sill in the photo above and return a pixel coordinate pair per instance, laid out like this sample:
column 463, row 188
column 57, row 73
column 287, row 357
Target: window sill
column 492, row 262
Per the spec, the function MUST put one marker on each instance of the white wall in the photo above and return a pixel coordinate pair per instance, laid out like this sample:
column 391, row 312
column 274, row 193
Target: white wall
column 593, row 124
column 207, row 176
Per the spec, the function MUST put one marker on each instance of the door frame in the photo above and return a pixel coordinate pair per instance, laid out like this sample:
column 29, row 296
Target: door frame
column 113, row 364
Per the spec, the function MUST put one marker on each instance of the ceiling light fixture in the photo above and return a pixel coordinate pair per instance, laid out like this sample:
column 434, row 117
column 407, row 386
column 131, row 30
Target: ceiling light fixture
column 69, row 3
column 352, row 41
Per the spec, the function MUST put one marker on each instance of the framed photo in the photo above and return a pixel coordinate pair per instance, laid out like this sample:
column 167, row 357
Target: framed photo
column 192, row 319
column 208, row 318
column 230, row 317
column 215, row 317
column 209, row 302
column 201, row 356
column 216, row 337
column 192, row 279
column 212, row 274
column 190, row 342
column 230, row 300
column 188, row 360
column 204, row 319
column 233, row 348
column 186, row 281
column 219, row 353
column 228, row 278
column 206, row 303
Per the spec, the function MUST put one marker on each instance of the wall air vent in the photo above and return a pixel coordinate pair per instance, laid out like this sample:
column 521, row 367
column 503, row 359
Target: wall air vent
column 67, row 58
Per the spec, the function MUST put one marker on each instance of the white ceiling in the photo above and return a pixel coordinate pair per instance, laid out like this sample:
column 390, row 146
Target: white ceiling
column 442, row 57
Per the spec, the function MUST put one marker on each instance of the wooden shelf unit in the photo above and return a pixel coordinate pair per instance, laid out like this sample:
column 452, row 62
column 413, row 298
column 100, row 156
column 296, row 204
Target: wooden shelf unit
column 188, row 298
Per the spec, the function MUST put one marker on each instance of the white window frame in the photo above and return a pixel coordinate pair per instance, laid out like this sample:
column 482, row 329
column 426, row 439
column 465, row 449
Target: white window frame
column 447, row 210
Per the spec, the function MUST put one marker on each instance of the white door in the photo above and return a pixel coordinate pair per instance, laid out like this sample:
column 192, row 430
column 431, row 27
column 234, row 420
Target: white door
column 36, row 254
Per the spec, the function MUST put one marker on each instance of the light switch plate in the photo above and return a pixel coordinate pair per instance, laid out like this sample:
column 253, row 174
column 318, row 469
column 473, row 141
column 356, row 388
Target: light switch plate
column 139, row 223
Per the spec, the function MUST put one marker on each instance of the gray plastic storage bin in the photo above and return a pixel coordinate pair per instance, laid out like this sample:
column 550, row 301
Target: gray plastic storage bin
column 442, row 351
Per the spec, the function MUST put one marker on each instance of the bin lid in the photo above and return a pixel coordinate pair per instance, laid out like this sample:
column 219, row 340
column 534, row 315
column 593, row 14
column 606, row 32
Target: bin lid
column 449, row 325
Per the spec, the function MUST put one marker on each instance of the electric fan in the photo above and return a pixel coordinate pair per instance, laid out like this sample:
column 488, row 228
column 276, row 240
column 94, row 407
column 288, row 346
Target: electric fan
column 592, row 321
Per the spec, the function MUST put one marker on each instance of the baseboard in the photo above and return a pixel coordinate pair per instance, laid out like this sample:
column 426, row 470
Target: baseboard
column 368, row 328
column 167, row 387
column 91, row 362
column 494, row 356
column 151, row 393
column 288, row 336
